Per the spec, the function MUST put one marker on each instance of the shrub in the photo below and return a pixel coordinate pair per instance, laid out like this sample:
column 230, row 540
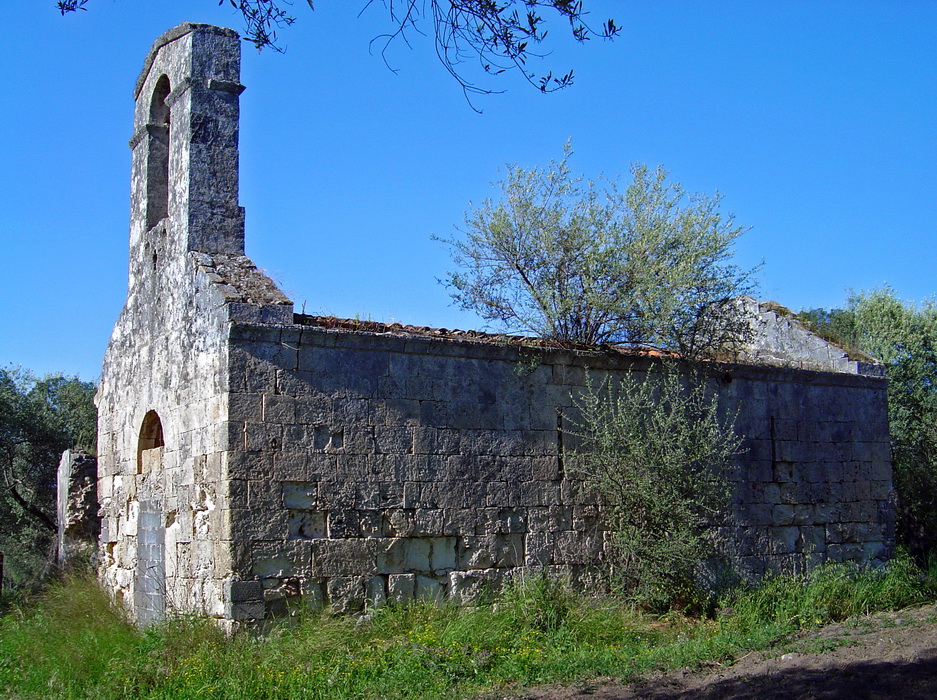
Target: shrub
column 657, row 452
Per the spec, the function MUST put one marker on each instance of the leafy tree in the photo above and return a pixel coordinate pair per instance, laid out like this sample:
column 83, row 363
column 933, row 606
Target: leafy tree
column 903, row 336
column 580, row 261
column 656, row 450
column 39, row 419
column 500, row 34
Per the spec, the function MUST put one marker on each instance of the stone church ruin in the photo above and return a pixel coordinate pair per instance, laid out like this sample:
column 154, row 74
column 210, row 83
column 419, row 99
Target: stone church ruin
column 250, row 456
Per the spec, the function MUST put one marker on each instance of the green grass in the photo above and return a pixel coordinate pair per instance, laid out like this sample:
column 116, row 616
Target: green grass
column 74, row 644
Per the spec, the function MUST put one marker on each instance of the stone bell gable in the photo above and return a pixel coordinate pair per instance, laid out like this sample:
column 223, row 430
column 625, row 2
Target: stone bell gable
column 251, row 459
column 163, row 397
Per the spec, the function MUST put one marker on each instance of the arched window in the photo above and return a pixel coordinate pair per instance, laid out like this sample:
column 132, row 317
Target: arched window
column 150, row 443
column 157, row 162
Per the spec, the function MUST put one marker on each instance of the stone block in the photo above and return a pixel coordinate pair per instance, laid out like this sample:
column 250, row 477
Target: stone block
column 273, row 566
column 875, row 551
column 401, row 588
column 459, row 521
column 398, row 523
column 475, row 552
column 391, row 555
column 507, row 550
column 429, row 589
column 471, row 468
column 393, row 439
column 765, row 493
column 239, row 464
column 585, row 518
column 538, row 549
column 462, row 494
column 350, row 557
column 576, row 548
column 338, row 439
column 826, row 513
column 782, row 515
column 312, row 593
column 254, row 524
column 813, row 540
column 862, row 491
column 443, row 555
column 376, row 591
column 557, row 518
column 510, row 521
column 222, row 559
column 417, row 554
column 848, row 491
column 540, row 493
column 279, row 409
column 784, row 470
column 786, row 540
column 346, row 594
column 880, row 490
column 244, row 407
column 307, row 524
column 396, row 412
column 370, row 523
column 243, row 591
column 301, row 495
column 264, row 494
column 343, row 523
column 756, row 514
column 337, row 495
column 545, row 469
column 250, row 610
column 574, row 493
column 845, row 552
column 471, row 587
column 368, row 495
column 412, row 495
column 804, row 514
column 427, row 522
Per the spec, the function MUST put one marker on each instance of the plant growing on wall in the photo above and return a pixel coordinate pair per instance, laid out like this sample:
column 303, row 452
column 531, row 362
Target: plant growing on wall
column 591, row 262
column 655, row 449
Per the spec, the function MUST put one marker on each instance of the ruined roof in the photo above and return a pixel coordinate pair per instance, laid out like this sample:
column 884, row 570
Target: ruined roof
column 779, row 340
column 239, row 279
column 404, row 330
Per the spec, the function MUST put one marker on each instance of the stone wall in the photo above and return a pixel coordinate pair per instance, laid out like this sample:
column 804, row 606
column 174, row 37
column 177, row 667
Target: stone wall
column 77, row 508
column 372, row 466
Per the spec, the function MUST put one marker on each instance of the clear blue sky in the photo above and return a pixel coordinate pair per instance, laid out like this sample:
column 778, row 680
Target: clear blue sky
column 815, row 120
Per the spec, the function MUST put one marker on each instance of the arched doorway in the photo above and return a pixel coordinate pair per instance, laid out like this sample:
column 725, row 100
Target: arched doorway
column 150, row 584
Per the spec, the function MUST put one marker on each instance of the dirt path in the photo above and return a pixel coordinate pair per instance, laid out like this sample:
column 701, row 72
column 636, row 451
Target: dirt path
column 885, row 656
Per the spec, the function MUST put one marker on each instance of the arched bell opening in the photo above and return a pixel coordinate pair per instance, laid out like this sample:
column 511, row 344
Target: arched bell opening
column 157, row 160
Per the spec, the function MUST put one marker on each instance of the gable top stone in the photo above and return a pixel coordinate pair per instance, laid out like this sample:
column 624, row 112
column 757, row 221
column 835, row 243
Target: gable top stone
column 167, row 37
column 780, row 339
